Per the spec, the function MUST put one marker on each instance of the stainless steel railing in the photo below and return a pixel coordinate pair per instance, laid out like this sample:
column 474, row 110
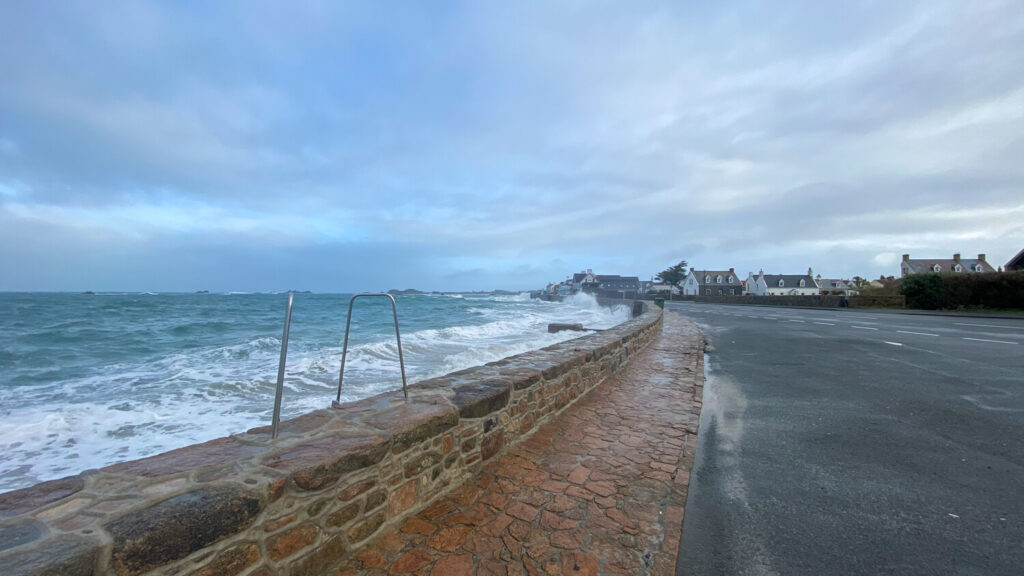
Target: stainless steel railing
column 344, row 353
column 398, row 338
column 280, row 366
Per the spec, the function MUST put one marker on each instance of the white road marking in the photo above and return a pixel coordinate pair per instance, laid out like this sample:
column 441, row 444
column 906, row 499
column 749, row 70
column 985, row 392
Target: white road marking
column 825, row 323
column 985, row 325
column 864, row 327
column 893, row 343
column 994, row 341
column 801, row 321
column 918, row 333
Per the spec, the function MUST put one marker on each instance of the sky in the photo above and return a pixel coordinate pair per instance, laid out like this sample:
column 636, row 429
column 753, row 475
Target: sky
column 344, row 146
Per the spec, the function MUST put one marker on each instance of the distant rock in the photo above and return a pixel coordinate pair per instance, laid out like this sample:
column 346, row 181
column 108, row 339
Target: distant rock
column 202, row 291
column 405, row 292
column 558, row 327
column 88, row 292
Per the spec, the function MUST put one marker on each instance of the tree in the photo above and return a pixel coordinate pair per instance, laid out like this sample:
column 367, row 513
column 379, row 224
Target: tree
column 674, row 275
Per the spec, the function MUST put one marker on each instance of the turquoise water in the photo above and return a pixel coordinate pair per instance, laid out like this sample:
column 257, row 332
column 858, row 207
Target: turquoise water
column 89, row 380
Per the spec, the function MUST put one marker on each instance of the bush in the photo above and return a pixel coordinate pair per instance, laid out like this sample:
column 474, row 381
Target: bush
column 922, row 291
column 952, row 291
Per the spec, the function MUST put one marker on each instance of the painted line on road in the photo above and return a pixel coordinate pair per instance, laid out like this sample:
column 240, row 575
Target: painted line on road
column 864, row 327
column 800, row 321
column 985, row 325
column 893, row 343
column 825, row 323
column 994, row 341
column 918, row 333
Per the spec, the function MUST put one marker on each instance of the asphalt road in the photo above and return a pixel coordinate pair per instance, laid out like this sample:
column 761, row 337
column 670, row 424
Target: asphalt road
column 849, row 442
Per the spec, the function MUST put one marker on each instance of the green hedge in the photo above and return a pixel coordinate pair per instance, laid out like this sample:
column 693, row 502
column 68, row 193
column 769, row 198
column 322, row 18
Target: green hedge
column 953, row 291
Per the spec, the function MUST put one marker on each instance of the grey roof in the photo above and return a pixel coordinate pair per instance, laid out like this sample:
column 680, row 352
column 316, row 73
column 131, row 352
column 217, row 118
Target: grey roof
column 699, row 275
column 616, row 280
column 790, row 280
column 832, row 283
column 917, row 265
column 1016, row 263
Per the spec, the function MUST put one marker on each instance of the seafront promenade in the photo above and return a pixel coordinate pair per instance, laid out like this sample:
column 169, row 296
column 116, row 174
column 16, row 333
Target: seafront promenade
column 600, row 489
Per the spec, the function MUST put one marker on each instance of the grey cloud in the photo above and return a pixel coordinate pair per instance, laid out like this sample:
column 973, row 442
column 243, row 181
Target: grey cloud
column 518, row 132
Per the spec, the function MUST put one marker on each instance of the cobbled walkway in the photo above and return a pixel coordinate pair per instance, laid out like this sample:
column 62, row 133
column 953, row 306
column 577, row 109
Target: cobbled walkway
column 599, row 490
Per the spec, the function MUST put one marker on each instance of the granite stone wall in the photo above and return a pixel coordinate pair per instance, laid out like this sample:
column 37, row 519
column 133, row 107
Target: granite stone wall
column 247, row 505
column 821, row 301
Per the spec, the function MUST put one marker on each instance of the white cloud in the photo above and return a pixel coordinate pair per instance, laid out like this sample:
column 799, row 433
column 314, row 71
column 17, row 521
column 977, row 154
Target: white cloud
column 148, row 221
column 887, row 259
column 786, row 134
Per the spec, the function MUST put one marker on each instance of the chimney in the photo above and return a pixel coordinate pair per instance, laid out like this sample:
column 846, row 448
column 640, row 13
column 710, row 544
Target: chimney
column 956, row 257
column 590, row 271
column 981, row 257
column 809, row 271
column 691, row 270
column 733, row 270
column 906, row 257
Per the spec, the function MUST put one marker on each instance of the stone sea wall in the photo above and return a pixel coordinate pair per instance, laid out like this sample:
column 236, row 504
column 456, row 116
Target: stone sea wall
column 246, row 505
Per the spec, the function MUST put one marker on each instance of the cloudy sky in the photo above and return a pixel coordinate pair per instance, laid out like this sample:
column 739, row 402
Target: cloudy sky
column 362, row 146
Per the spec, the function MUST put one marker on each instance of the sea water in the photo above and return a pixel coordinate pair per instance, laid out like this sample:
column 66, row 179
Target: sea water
column 87, row 380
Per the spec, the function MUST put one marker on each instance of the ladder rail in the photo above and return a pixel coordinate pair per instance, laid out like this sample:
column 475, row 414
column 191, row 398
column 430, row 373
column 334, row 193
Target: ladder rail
column 280, row 367
column 398, row 339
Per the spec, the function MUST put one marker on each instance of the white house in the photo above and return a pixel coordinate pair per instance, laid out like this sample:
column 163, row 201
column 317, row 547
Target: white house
column 586, row 279
column 762, row 284
column 661, row 288
column 712, row 283
column 835, row 286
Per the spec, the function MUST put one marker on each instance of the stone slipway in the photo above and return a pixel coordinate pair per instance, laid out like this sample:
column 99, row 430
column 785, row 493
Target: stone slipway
column 600, row 489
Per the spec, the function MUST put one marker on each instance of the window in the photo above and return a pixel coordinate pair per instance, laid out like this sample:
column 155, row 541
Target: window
column 719, row 291
column 707, row 279
column 958, row 268
column 730, row 279
column 708, row 291
column 977, row 267
column 936, row 268
column 803, row 283
column 782, row 283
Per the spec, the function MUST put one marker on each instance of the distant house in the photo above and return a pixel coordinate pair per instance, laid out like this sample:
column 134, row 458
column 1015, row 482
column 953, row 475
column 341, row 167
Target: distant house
column 584, row 281
column 1015, row 263
column 661, row 288
column 762, row 284
column 956, row 264
column 835, row 286
column 712, row 283
column 613, row 283
column 609, row 285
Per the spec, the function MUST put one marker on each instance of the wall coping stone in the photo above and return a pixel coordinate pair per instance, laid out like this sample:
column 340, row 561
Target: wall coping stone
column 133, row 517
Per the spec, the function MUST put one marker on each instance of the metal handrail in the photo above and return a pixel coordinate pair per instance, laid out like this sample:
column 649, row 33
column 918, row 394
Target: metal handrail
column 398, row 338
column 280, row 366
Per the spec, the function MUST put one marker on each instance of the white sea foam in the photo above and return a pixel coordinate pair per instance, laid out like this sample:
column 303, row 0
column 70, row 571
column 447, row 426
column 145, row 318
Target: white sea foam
column 132, row 409
column 521, row 297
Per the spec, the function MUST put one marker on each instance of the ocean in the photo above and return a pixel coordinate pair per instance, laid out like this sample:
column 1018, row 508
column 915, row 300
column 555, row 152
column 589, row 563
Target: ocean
column 87, row 380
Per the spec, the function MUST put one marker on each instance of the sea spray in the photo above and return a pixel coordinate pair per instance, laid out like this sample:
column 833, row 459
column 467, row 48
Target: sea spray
column 86, row 381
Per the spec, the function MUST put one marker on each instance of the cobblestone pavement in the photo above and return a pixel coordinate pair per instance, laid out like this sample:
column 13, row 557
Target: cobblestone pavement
column 599, row 490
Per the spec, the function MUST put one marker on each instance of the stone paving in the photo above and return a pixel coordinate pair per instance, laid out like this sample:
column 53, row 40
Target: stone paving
column 599, row 490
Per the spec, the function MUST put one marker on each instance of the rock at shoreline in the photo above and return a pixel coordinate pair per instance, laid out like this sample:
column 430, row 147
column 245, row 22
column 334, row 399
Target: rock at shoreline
column 556, row 327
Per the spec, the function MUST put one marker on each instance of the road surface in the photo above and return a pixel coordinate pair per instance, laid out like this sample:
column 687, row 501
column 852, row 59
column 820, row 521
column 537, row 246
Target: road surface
column 857, row 442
